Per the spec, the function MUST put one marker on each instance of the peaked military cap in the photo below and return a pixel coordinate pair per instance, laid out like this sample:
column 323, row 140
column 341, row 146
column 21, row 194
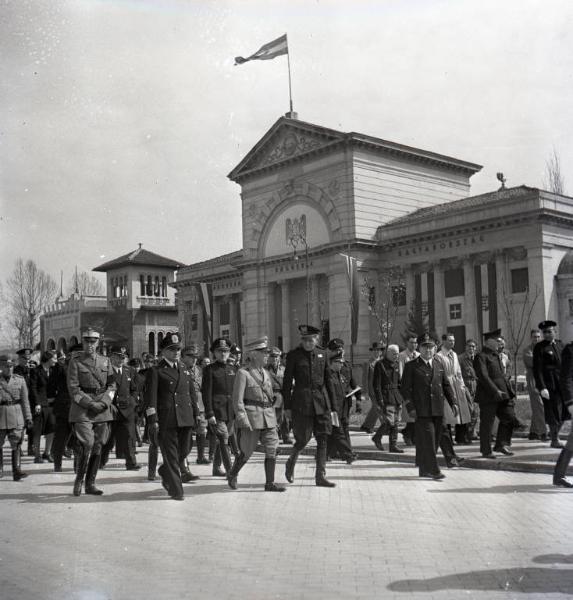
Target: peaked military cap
column 492, row 335
column 335, row 344
column 171, row 340
column 425, row 340
column 275, row 351
column 75, row 348
column 90, row 333
column 261, row 343
column 24, row 352
column 221, row 344
column 308, row 330
column 121, row 350
column 547, row 325
column 191, row 350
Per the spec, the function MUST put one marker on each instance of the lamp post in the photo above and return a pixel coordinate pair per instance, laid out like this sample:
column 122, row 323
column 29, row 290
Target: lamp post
column 296, row 238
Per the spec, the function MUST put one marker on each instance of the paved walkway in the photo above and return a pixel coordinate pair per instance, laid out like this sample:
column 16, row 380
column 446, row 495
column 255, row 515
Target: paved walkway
column 381, row 533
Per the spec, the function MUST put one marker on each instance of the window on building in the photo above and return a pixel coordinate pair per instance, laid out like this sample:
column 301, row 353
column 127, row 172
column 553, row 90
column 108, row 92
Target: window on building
column 571, row 307
column 399, row 294
column 519, row 280
column 454, row 282
column 194, row 321
column 164, row 287
column 142, row 285
column 149, row 290
column 455, row 311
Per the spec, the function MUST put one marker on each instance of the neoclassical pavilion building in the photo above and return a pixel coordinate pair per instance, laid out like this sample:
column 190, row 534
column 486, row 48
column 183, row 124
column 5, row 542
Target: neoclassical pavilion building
column 427, row 252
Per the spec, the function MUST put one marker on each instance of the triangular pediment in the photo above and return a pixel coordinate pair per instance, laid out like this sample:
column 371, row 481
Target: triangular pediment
column 285, row 140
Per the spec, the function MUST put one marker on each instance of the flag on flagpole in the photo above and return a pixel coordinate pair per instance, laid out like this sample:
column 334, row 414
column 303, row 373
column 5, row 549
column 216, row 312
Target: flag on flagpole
column 267, row 52
column 354, row 293
column 206, row 291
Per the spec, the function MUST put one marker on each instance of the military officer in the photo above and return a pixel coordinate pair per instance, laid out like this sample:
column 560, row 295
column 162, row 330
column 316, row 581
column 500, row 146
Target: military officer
column 217, row 389
column 546, row 371
column 189, row 356
column 495, row 397
column 255, row 414
column 277, row 371
column 170, row 409
column 14, row 413
column 124, row 409
column 92, row 387
column 24, row 369
column 566, row 382
column 307, row 393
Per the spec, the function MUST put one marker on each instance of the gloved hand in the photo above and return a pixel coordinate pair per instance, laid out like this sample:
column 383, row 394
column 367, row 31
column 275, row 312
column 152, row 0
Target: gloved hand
column 212, row 424
column 544, row 394
column 38, row 410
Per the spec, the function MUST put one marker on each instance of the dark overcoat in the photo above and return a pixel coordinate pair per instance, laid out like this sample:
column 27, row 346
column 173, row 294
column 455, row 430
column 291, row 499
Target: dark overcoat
column 547, row 365
column 126, row 394
column 386, row 383
column 491, row 378
column 217, row 391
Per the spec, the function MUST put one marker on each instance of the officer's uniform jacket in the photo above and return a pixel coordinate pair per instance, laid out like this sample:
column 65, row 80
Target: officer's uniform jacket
column 405, row 357
column 217, row 389
column 425, row 388
column 490, row 378
column 42, row 388
column 14, row 405
column 307, row 388
column 351, row 382
column 170, row 396
column 387, row 383
column 90, row 378
column 547, row 365
column 339, row 385
column 277, row 377
column 24, row 372
column 253, row 399
column 566, row 375
column 126, row 393
column 62, row 400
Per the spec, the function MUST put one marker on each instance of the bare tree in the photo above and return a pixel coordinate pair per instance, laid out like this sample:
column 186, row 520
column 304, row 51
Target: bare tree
column 553, row 180
column 29, row 291
column 517, row 311
column 384, row 297
column 86, row 285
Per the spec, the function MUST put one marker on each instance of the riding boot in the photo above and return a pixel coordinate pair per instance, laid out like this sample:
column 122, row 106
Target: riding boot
column 201, row 440
column 186, row 475
column 270, row 485
column 37, row 452
column 93, row 466
column 240, row 462
column 554, row 433
column 377, row 437
column 81, row 461
column 225, row 456
column 152, row 462
column 394, row 441
column 212, row 446
column 320, row 473
column 560, row 472
column 217, row 471
column 57, row 463
column 234, row 445
column 290, row 464
column 17, row 474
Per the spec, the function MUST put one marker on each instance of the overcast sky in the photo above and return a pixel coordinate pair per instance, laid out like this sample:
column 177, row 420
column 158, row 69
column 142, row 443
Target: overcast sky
column 119, row 120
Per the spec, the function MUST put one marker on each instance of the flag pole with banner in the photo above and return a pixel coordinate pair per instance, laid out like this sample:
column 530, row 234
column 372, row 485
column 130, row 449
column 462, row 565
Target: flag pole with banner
column 206, row 293
column 269, row 51
column 354, row 293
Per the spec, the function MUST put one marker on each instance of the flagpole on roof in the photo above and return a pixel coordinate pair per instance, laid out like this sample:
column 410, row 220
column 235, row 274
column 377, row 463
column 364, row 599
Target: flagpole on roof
column 289, row 78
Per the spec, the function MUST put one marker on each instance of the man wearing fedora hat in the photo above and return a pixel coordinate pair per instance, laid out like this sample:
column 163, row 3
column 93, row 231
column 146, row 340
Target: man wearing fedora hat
column 91, row 387
column 308, row 394
column 170, row 410
column 546, row 371
column 495, row 397
column 255, row 414
column 217, row 389
column 14, row 413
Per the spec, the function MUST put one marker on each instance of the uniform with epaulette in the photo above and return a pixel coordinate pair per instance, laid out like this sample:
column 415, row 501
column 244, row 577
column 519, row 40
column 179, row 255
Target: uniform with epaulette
column 170, row 409
column 14, row 413
column 547, row 373
column 217, row 389
column 91, row 387
column 23, row 368
column 307, row 392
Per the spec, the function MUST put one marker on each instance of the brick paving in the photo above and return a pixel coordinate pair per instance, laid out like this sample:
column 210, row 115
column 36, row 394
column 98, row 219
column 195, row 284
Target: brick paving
column 381, row 533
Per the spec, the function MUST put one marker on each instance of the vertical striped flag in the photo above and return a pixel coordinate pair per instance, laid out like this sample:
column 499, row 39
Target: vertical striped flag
column 354, row 294
column 267, row 51
column 206, row 292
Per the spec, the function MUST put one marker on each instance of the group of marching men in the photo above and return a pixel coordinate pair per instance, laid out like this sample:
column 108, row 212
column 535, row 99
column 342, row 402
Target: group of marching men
column 232, row 408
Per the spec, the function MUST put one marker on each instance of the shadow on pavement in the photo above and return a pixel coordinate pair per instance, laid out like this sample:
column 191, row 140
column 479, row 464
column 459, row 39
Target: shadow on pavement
column 525, row 580
column 506, row 489
column 552, row 559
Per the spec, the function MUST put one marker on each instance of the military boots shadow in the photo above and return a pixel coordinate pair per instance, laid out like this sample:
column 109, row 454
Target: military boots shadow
column 270, row 485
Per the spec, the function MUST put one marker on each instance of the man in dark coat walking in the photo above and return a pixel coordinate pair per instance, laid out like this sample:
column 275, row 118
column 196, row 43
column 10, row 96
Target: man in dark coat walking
column 170, row 409
column 425, row 388
column 495, row 397
column 308, row 394
column 566, row 382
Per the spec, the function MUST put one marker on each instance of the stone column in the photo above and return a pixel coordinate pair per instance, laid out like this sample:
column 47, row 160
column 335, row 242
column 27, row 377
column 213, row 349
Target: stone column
column 410, row 287
column 440, row 315
column 469, row 314
column 503, row 287
column 285, row 315
column 314, row 307
column 216, row 318
column 233, row 318
column 271, row 313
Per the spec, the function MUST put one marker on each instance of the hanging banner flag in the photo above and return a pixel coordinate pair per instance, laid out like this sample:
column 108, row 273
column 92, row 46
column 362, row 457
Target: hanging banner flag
column 354, row 293
column 206, row 292
column 267, row 52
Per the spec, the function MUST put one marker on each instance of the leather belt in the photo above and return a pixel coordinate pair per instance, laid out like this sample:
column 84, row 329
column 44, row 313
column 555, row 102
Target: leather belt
column 260, row 403
column 89, row 390
column 9, row 402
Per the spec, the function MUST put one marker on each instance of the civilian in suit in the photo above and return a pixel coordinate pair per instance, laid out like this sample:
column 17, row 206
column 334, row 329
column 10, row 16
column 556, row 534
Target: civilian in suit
column 408, row 354
column 469, row 376
column 91, row 388
column 256, row 420
column 425, row 389
column 495, row 397
column 546, row 370
column 376, row 352
column 566, row 385
column 42, row 394
column 171, row 407
column 337, row 443
column 538, row 429
column 125, row 411
column 307, row 393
